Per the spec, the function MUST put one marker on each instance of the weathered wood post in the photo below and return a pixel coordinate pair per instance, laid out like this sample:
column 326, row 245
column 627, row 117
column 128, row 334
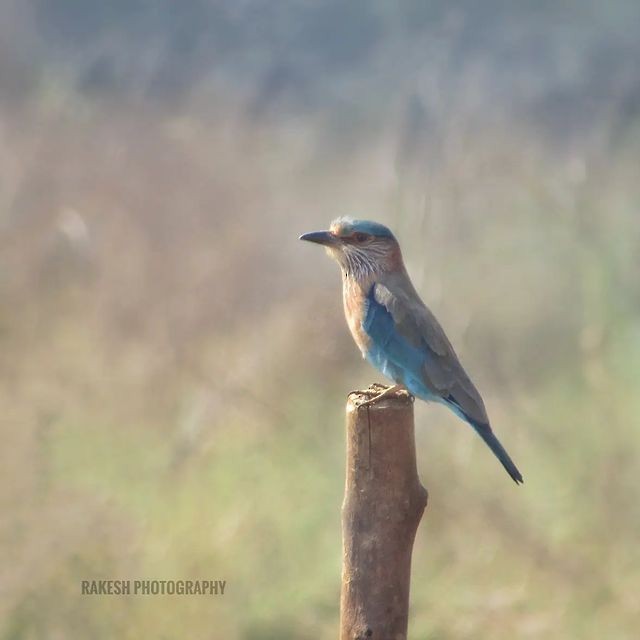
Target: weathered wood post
column 383, row 504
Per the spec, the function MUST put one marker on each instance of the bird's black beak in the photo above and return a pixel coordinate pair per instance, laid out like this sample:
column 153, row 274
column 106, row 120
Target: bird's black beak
column 319, row 237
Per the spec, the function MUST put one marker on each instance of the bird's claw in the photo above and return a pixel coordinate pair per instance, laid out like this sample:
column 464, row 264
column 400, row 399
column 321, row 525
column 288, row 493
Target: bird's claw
column 374, row 389
column 377, row 392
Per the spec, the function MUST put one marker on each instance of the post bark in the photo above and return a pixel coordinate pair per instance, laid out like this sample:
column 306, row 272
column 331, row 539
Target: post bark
column 383, row 504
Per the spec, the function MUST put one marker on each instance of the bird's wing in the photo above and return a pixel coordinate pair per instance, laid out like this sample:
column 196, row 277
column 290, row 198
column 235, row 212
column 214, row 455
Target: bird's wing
column 441, row 370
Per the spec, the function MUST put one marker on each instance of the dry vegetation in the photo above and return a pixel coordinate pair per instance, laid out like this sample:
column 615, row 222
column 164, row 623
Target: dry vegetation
column 174, row 365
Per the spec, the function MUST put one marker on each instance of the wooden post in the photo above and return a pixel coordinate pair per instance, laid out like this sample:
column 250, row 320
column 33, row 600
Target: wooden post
column 383, row 504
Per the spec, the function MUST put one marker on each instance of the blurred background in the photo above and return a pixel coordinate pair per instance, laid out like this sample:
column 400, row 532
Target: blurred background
column 175, row 363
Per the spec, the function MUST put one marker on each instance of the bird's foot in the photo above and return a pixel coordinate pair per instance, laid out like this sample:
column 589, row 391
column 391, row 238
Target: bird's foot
column 374, row 389
column 379, row 391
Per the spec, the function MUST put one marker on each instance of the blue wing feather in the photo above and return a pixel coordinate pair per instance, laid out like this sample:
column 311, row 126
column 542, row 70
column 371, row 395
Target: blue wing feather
column 404, row 360
column 391, row 352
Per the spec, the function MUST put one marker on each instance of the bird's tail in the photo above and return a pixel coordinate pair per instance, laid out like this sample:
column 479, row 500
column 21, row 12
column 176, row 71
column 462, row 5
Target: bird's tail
column 483, row 429
column 485, row 432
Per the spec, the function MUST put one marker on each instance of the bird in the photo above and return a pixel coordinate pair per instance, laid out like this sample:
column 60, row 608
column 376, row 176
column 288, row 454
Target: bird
column 396, row 332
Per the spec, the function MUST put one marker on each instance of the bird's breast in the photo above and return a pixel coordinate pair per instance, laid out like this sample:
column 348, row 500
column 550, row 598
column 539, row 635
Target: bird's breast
column 354, row 298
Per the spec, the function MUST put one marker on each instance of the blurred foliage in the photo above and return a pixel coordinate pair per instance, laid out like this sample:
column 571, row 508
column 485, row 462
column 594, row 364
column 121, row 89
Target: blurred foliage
column 175, row 364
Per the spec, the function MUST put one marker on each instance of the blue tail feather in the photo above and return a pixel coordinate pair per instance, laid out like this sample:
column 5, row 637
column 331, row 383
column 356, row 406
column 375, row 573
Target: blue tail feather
column 485, row 432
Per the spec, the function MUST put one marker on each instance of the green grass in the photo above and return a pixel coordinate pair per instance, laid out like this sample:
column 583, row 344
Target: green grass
column 260, row 508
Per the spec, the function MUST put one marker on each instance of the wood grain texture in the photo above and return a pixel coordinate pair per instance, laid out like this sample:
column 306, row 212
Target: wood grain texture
column 383, row 504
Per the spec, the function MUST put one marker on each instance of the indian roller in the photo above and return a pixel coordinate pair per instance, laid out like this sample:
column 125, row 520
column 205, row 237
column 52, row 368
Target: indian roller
column 394, row 329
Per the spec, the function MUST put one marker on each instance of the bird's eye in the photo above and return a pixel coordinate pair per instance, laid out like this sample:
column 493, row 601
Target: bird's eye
column 360, row 237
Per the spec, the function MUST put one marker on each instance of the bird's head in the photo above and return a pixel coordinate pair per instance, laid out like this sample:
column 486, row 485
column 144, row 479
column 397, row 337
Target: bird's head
column 362, row 248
